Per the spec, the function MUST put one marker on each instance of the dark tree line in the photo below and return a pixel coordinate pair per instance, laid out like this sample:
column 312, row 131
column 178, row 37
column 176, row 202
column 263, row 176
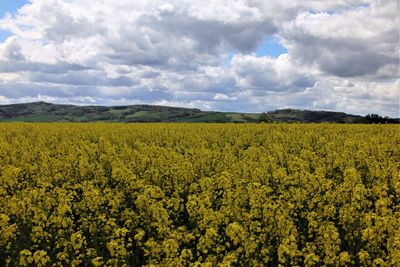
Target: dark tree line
column 375, row 118
column 323, row 116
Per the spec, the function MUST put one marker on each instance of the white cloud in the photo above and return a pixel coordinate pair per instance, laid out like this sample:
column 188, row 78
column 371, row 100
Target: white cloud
column 224, row 97
column 342, row 55
column 362, row 41
column 267, row 74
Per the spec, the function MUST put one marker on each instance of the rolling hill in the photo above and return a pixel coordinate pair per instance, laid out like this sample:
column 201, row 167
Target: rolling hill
column 48, row 112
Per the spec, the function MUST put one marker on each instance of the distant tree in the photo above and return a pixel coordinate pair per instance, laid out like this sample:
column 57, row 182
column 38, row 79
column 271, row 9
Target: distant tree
column 263, row 117
column 375, row 118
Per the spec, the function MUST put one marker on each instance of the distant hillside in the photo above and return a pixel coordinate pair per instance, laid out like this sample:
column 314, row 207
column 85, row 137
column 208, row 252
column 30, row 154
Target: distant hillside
column 47, row 112
column 295, row 115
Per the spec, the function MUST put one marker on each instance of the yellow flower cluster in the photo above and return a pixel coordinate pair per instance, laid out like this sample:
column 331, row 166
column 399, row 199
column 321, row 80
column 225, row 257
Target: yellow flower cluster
column 199, row 195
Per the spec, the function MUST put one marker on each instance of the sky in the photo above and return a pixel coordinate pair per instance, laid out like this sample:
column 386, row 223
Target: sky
column 227, row 55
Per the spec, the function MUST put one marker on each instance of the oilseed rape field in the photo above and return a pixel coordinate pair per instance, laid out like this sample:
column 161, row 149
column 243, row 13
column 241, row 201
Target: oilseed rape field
column 199, row 195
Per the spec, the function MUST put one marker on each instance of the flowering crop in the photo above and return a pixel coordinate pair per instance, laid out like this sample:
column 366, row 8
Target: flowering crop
column 199, row 194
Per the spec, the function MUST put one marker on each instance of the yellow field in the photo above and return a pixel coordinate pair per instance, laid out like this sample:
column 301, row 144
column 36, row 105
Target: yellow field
column 199, row 194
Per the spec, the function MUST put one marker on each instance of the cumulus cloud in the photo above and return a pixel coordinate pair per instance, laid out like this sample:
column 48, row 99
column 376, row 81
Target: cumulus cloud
column 342, row 55
column 362, row 41
column 268, row 74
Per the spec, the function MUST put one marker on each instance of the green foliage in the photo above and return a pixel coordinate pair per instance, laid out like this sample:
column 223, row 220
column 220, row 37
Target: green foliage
column 199, row 195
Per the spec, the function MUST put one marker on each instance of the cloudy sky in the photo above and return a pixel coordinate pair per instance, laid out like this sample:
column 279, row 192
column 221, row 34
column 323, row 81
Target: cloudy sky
column 230, row 55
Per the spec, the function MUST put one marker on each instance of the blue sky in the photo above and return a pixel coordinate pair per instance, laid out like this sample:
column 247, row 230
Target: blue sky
column 270, row 47
column 9, row 6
